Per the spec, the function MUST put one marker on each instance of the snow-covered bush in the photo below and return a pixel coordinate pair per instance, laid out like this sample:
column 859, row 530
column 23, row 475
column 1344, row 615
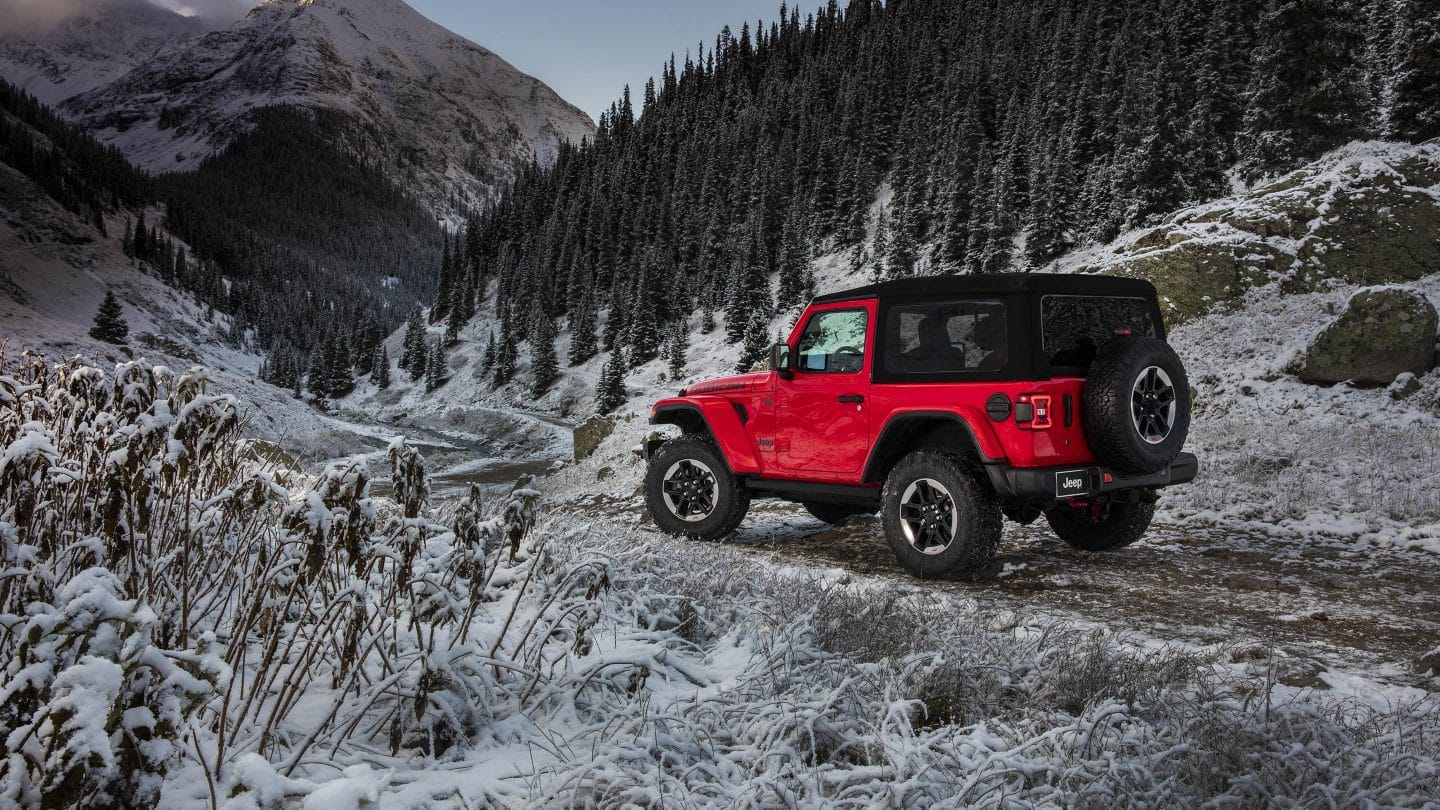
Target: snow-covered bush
column 169, row 602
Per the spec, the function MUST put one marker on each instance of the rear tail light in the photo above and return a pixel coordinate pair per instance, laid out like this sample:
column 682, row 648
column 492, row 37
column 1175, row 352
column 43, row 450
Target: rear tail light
column 1033, row 411
column 1042, row 412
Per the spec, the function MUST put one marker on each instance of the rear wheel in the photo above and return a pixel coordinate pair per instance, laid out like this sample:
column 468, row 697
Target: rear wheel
column 689, row 490
column 938, row 518
column 835, row 512
column 1100, row 527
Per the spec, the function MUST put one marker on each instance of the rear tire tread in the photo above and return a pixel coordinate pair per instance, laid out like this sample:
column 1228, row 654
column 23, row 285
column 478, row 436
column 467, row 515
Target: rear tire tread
column 978, row 536
column 1126, row 523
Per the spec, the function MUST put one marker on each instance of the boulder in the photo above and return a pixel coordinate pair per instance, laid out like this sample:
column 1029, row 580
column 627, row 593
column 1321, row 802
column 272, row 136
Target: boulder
column 589, row 434
column 1382, row 334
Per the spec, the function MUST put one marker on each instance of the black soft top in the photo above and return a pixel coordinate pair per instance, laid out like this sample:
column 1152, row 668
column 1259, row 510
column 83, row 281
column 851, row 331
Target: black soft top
column 997, row 284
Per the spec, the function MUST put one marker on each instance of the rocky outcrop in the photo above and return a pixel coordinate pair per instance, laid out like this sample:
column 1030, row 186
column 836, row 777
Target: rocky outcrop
column 1382, row 334
column 589, row 434
column 1368, row 213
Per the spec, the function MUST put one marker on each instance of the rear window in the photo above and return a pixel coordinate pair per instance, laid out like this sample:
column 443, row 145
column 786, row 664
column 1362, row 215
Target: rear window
column 946, row 336
column 1075, row 326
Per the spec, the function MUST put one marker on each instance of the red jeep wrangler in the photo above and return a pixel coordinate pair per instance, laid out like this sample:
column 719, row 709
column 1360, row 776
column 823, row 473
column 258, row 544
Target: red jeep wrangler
column 943, row 402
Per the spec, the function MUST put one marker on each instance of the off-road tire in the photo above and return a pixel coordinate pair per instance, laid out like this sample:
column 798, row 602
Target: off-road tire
column 978, row 524
column 1119, row 524
column 731, row 503
column 1110, row 430
column 834, row 512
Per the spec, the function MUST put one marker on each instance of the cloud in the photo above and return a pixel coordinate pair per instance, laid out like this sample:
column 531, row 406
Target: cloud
column 222, row 10
column 41, row 15
column 32, row 14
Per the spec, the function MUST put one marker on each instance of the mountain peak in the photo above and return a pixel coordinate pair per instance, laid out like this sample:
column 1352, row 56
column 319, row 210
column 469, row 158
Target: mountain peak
column 55, row 56
column 452, row 119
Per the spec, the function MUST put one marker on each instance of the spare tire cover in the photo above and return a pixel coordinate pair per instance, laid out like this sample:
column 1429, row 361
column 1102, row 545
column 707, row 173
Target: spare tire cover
column 1136, row 405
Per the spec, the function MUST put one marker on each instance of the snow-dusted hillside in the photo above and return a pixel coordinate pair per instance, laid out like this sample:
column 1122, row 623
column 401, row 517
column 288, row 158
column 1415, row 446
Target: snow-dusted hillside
column 1366, row 213
column 54, row 270
column 451, row 119
column 1258, row 470
column 95, row 44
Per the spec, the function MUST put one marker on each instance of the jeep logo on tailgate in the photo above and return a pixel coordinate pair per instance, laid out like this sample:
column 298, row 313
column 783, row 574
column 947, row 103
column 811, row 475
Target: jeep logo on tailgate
column 1071, row 484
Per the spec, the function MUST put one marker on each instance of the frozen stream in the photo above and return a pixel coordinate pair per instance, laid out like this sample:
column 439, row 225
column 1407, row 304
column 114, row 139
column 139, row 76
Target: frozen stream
column 516, row 444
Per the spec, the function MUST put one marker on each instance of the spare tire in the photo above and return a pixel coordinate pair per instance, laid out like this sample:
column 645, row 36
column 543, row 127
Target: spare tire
column 1136, row 405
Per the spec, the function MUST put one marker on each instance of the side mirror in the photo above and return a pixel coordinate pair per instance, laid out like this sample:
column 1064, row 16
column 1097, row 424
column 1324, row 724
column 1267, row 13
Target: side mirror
column 780, row 360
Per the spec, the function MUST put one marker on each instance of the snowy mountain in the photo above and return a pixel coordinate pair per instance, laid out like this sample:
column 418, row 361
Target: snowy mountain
column 449, row 119
column 55, row 59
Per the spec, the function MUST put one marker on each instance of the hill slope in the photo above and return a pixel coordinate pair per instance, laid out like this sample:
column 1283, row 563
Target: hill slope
column 924, row 136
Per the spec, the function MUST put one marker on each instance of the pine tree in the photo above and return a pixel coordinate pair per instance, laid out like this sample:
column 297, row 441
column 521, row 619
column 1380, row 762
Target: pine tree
column 456, row 320
column 488, row 361
column 412, row 355
column 336, row 380
column 794, row 261
column 445, row 286
column 757, row 340
column 110, row 325
column 140, row 239
column 317, row 375
column 901, row 260
column 381, row 372
column 505, row 355
column 420, row 361
column 436, row 367
column 1307, row 94
column 610, row 392
column 544, row 367
column 1415, row 111
column 582, row 328
column 643, row 339
column 677, row 348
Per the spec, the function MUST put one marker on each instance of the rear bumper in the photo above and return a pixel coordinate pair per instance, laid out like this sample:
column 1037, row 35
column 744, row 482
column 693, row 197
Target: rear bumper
column 1054, row 484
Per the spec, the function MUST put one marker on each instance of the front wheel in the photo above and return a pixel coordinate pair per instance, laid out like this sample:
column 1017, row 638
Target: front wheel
column 939, row 519
column 689, row 490
column 1100, row 527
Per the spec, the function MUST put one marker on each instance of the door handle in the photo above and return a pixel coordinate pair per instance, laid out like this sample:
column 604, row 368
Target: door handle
column 848, row 398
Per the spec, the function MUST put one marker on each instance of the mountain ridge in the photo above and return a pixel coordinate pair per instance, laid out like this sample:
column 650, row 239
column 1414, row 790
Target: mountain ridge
column 453, row 121
column 63, row 58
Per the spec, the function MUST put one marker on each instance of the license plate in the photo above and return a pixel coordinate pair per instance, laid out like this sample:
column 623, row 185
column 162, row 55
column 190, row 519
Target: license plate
column 1072, row 484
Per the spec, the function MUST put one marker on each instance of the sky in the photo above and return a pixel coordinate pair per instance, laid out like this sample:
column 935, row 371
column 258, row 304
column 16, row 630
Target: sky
column 587, row 50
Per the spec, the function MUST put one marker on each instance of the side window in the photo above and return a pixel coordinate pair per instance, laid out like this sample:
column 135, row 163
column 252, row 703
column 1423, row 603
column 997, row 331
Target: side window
column 946, row 336
column 834, row 342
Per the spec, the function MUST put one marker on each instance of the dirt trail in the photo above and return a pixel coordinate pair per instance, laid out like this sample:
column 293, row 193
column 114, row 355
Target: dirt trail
column 1370, row 608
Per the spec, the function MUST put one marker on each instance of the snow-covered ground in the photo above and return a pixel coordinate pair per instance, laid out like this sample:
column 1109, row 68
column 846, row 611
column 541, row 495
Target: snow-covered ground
column 338, row 650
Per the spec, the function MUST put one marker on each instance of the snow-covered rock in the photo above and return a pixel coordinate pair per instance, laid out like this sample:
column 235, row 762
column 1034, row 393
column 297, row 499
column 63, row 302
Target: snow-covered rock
column 448, row 118
column 1382, row 334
